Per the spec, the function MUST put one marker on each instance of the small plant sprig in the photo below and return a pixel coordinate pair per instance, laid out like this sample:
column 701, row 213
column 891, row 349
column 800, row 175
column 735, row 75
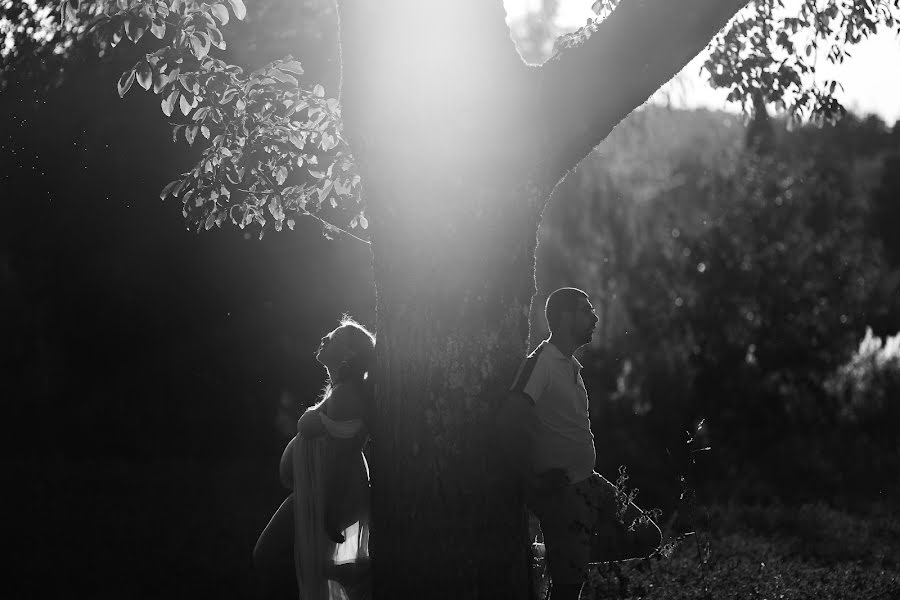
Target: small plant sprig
column 688, row 496
column 624, row 586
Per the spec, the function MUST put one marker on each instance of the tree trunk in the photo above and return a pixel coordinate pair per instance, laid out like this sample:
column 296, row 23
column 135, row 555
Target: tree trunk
column 448, row 127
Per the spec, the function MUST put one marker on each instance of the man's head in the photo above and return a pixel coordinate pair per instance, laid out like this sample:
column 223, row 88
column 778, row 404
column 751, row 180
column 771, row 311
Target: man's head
column 571, row 315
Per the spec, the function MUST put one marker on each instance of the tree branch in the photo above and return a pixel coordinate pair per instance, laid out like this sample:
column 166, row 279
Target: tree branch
column 586, row 90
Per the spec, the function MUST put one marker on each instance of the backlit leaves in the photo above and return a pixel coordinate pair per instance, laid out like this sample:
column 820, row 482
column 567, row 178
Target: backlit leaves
column 240, row 11
column 274, row 149
column 772, row 50
column 125, row 82
column 144, row 75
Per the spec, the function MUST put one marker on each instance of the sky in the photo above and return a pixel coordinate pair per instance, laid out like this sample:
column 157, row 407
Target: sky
column 870, row 85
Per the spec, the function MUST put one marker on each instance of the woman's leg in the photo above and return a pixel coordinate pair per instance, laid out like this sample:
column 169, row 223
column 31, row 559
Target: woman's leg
column 273, row 556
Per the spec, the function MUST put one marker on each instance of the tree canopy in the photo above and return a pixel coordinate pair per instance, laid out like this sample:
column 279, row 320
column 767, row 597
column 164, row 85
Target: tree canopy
column 273, row 147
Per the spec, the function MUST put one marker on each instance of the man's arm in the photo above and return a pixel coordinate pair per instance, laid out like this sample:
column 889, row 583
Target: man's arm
column 516, row 445
column 515, row 438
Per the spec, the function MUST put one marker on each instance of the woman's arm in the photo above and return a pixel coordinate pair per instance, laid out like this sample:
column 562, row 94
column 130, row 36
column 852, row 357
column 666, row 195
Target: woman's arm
column 310, row 424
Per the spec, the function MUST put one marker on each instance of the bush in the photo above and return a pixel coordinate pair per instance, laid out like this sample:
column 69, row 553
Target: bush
column 867, row 386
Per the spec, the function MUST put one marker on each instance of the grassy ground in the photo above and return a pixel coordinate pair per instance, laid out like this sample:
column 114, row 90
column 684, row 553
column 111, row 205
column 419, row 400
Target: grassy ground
column 183, row 529
column 775, row 553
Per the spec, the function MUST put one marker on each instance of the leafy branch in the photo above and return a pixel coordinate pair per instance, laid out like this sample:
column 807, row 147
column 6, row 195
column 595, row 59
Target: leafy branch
column 768, row 52
column 276, row 150
column 771, row 52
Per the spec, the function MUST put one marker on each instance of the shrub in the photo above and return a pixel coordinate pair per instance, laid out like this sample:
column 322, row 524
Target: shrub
column 866, row 387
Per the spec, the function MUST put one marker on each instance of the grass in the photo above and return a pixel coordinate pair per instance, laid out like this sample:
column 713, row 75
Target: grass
column 774, row 552
column 107, row 528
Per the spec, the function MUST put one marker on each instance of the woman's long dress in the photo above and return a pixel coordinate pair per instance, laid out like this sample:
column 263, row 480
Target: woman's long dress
column 326, row 570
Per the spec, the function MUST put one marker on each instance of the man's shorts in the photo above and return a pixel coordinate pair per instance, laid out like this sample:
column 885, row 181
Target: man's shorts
column 570, row 517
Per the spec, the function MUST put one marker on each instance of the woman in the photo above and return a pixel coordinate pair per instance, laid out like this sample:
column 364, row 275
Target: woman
column 318, row 539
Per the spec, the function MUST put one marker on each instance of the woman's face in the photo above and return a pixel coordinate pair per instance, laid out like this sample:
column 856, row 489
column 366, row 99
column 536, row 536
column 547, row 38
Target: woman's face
column 334, row 348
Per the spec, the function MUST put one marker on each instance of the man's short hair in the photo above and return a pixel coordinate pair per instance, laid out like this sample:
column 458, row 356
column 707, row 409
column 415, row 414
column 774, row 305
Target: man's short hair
column 562, row 300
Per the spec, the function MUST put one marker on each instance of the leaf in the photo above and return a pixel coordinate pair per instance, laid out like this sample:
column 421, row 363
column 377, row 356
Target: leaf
column 185, row 105
column 324, row 190
column 145, row 75
column 200, row 113
column 341, row 188
column 192, row 83
column 284, row 77
column 134, row 29
column 101, row 18
column 281, row 175
column 363, row 221
column 160, row 82
column 168, row 189
column 204, row 130
column 215, row 38
column 240, row 11
column 319, row 91
column 70, row 11
column 125, row 82
column 291, row 66
column 228, row 96
column 190, row 133
column 200, row 43
column 297, row 141
column 327, row 142
column 168, row 104
column 158, row 28
column 220, row 12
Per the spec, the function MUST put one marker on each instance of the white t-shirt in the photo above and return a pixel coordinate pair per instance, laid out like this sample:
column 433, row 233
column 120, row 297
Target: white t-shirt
column 561, row 430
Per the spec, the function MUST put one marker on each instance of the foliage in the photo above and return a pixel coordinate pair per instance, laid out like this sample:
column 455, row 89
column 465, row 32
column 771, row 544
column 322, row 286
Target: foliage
column 886, row 208
column 770, row 51
column 868, row 385
column 730, row 285
column 773, row 47
column 801, row 552
column 276, row 149
column 36, row 42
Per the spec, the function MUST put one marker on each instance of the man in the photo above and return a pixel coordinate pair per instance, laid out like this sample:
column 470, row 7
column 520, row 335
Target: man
column 548, row 436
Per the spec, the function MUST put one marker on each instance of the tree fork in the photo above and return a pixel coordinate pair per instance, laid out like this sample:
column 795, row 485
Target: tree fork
column 459, row 144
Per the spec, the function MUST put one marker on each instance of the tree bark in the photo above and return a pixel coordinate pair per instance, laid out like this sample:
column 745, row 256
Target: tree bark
column 589, row 89
column 451, row 132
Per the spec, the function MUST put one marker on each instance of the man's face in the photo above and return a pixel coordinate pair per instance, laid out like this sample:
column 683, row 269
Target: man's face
column 584, row 321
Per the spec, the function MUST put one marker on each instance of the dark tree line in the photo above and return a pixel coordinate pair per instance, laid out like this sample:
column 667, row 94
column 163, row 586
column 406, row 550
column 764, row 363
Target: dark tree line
column 737, row 269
